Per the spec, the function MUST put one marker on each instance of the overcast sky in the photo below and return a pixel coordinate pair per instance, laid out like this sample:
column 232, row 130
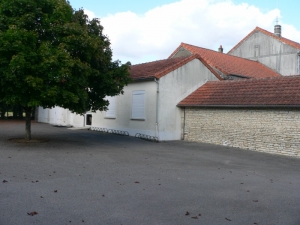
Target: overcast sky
column 143, row 31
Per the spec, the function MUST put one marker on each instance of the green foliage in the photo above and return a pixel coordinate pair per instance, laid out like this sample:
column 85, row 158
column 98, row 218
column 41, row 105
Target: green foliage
column 53, row 55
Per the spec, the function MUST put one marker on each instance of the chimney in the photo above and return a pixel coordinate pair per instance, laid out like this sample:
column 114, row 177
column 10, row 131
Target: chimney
column 277, row 30
column 220, row 49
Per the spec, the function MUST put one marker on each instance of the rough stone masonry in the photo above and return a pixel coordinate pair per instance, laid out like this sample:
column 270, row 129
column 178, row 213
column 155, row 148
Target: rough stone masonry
column 274, row 131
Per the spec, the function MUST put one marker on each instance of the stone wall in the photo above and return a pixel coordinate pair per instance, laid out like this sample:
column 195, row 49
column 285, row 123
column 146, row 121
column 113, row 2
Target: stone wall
column 266, row 130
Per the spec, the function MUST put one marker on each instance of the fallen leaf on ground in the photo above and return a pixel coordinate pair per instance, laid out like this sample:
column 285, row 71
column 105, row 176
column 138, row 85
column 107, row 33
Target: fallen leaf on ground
column 4, row 181
column 227, row 219
column 194, row 217
column 187, row 213
column 32, row 213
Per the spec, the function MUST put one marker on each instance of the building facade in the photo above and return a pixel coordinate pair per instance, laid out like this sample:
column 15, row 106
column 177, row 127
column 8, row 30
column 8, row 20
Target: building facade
column 271, row 49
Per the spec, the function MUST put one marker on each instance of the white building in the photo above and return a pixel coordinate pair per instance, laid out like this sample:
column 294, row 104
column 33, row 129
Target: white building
column 271, row 49
column 149, row 104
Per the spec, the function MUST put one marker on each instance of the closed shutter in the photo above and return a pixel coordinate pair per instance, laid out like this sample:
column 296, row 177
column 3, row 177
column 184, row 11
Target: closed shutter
column 111, row 111
column 138, row 105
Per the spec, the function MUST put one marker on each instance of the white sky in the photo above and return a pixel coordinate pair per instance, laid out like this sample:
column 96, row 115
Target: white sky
column 155, row 33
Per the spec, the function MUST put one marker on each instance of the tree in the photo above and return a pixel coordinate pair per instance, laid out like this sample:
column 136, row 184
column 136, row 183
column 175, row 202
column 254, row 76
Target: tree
column 53, row 55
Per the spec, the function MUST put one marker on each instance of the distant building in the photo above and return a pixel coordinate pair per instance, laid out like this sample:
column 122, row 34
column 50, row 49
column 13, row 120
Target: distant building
column 227, row 66
column 271, row 49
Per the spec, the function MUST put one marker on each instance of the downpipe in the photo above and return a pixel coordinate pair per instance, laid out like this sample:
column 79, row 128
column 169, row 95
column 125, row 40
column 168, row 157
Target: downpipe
column 157, row 104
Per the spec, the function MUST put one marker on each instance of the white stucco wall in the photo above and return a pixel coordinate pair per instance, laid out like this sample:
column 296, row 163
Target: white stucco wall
column 271, row 52
column 123, row 120
column 43, row 115
column 59, row 116
column 173, row 88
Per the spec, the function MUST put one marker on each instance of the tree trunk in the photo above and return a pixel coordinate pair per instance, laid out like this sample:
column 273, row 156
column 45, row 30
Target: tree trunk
column 3, row 110
column 28, row 123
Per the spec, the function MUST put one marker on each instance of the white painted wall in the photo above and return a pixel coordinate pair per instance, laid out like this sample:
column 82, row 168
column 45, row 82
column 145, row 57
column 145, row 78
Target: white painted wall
column 43, row 115
column 59, row 116
column 123, row 120
column 173, row 88
column 270, row 52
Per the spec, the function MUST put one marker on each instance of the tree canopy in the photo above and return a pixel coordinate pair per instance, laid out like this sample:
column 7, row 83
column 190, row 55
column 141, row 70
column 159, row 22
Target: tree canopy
column 53, row 55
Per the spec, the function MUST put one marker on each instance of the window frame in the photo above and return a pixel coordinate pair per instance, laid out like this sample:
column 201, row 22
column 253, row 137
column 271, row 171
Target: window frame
column 138, row 95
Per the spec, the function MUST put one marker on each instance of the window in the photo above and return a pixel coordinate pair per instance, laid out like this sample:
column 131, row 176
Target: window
column 111, row 109
column 256, row 51
column 138, row 105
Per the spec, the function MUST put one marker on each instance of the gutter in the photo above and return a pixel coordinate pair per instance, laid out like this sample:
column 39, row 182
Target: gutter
column 239, row 76
column 144, row 79
column 242, row 106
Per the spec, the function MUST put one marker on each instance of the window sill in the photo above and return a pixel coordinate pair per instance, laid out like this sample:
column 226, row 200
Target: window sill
column 109, row 117
column 139, row 119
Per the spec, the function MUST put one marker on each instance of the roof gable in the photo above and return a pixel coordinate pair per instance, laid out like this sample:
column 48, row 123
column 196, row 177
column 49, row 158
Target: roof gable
column 160, row 68
column 258, row 29
column 228, row 64
column 281, row 91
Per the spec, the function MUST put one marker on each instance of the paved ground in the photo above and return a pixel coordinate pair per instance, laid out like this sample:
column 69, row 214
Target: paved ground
column 86, row 177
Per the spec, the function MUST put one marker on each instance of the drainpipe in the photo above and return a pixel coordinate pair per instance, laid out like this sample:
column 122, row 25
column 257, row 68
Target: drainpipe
column 183, row 130
column 298, row 62
column 157, row 101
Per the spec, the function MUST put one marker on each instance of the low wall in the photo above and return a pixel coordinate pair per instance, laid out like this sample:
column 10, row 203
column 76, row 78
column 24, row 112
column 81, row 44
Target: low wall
column 266, row 130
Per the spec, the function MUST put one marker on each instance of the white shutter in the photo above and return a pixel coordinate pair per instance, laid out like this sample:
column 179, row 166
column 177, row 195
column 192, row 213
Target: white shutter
column 111, row 111
column 138, row 105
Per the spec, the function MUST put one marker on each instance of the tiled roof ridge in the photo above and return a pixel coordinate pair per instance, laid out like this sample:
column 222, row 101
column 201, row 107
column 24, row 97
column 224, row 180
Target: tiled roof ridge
column 154, row 74
column 185, row 61
column 175, row 51
column 259, row 79
column 208, row 66
column 175, row 64
column 231, row 56
column 158, row 60
column 282, row 39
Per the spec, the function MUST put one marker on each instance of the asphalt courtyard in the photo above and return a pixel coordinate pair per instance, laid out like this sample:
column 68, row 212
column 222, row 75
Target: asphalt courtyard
column 88, row 177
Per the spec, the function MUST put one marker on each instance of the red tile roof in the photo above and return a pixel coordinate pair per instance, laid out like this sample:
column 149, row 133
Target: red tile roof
column 281, row 91
column 159, row 68
column 282, row 39
column 229, row 64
